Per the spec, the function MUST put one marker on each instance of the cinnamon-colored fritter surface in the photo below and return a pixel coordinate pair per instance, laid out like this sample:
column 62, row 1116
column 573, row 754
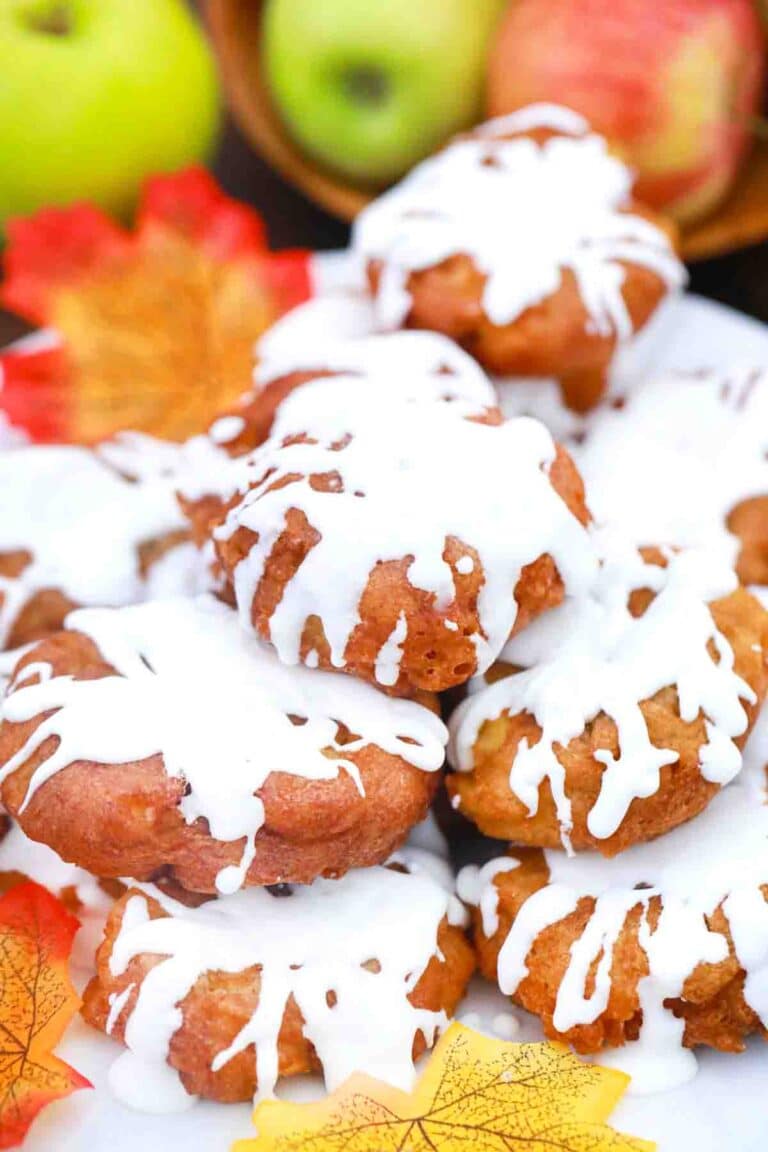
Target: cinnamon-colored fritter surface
column 125, row 819
column 221, row 1003
column 551, row 338
column 749, row 522
column 713, row 1006
column 485, row 797
column 434, row 657
column 45, row 611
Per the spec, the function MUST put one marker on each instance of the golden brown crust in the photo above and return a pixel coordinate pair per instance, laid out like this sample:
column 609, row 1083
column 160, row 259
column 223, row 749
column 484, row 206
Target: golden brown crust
column 221, row 1003
column 749, row 522
column 125, row 819
column 713, row 1005
column 434, row 657
column 552, row 338
column 486, row 798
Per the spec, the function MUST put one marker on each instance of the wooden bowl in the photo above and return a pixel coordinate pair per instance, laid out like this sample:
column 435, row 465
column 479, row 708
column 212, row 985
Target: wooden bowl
column 235, row 27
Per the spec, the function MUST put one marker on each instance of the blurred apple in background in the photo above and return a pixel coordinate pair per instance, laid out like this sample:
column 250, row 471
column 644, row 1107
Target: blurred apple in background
column 673, row 84
column 97, row 94
column 369, row 87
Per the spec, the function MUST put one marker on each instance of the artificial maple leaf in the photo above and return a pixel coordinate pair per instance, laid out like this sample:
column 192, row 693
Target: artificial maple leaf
column 37, row 1001
column 476, row 1095
column 156, row 327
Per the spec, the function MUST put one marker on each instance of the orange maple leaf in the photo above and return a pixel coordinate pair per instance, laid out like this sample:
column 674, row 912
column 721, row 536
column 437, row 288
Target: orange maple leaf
column 154, row 328
column 476, row 1095
column 37, row 1001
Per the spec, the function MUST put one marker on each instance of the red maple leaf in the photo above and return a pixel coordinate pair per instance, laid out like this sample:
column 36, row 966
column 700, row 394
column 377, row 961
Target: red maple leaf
column 155, row 327
column 37, row 1001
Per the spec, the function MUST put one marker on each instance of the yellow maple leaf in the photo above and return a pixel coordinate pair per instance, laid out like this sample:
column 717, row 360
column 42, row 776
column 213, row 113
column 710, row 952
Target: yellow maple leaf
column 476, row 1095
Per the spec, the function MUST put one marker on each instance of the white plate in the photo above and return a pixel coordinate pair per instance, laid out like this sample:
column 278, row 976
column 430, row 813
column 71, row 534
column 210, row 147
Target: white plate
column 726, row 1106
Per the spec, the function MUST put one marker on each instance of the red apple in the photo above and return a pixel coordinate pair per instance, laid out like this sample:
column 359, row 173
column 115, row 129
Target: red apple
column 671, row 83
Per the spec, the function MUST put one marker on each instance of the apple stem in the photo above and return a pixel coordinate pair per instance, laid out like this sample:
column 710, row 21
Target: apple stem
column 366, row 85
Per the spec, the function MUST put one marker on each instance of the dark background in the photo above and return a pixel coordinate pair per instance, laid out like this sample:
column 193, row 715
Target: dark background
column 740, row 279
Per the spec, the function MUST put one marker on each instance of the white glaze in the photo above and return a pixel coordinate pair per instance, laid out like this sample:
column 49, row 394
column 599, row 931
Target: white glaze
column 308, row 944
column 541, row 398
column 678, row 455
column 226, row 428
column 397, row 368
column 216, row 703
column 474, row 885
column 425, row 474
column 324, row 319
column 524, row 212
column 591, row 655
column 403, row 365
column 82, row 521
column 183, row 570
column 720, row 858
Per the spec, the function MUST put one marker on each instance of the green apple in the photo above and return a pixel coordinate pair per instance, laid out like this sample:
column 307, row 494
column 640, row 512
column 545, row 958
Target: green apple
column 97, row 94
column 371, row 86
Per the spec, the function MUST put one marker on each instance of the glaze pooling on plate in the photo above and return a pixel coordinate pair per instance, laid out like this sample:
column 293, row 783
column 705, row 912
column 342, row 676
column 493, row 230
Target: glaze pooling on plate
column 408, row 477
column 699, row 441
column 311, row 943
column 186, row 673
column 82, row 521
column 719, row 860
column 592, row 656
column 524, row 212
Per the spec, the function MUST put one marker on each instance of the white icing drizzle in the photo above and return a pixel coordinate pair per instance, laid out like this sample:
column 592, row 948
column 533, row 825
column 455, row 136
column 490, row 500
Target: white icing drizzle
column 309, row 944
column 226, row 428
column 326, row 319
column 183, row 570
column 410, row 476
column 541, row 398
column 403, row 365
column 82, row 521
column 192, row 685
column 720, row 858
column 387, row 669
column 117, row 1001
column 419, row 858
column 397, row 368
column 699, row 441
column 591, row 655
column 524, row 212
column 474, row 886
